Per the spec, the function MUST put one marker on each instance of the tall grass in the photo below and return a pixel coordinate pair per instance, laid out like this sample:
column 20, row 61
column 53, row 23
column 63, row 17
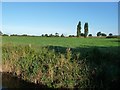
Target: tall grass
column 45, row 66
column 61, row 67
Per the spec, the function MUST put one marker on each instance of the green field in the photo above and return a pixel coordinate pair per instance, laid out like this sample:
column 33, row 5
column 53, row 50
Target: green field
column 63, row 62
column 59, row 41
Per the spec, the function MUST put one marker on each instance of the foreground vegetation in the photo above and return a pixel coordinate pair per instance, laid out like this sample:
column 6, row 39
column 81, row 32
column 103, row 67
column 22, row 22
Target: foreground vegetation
column 92, row 63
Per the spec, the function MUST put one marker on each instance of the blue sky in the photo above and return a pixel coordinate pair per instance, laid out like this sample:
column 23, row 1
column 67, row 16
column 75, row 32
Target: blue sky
column 36, row 18
column 60, row 0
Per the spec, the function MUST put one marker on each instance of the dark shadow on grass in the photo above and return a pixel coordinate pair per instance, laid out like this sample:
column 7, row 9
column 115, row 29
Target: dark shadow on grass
column 87, row 51
column 105, row 61
column 118, row 41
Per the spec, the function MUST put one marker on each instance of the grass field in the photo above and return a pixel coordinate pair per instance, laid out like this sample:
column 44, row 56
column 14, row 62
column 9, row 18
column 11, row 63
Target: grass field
column 64, row 62
column 59, row 41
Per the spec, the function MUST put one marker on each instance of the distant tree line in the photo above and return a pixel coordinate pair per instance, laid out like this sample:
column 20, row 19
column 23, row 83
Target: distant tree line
column 52, row 35
column 86, row 30
column 101, row 34
column 79, row 33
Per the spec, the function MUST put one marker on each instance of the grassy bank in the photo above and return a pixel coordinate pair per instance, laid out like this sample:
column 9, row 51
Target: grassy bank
column 94, row 68
column 44, row 66
column 73, row 66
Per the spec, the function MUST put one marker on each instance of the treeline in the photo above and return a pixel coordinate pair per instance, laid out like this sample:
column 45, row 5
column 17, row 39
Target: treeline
column 17, row 35
column 53, row 35
column 99, row 34
column 86, row 32
column 43, row 35
column 78, row 33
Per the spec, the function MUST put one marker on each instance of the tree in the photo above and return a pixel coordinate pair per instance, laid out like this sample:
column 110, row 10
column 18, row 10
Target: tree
column 46, row 35
column 82, row 34
column 99, row 34
column 103, row 34
column 42, row 35
column 5, row 35
column 110, row 34
column 56, row 34
column 86, row 29
column 71, row 36
column 1, row 33
column 90, row 35
column 79, row 29
column 24, row 35
column 50, row 35
column 14, row 35
column 62, row 35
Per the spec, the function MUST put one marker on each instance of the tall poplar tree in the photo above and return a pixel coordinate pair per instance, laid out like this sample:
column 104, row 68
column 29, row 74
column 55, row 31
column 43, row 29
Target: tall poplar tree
column 86, row 29
column 79, row 29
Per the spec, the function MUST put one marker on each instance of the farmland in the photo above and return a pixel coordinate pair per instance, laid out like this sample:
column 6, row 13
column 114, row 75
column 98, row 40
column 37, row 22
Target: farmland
column 61, row 62
column 59, row 41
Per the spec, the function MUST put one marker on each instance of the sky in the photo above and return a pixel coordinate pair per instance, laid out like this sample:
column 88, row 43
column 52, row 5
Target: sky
column 37, row 18
column 60, row 0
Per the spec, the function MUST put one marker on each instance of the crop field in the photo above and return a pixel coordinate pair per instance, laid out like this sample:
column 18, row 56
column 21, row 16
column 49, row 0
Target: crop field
column 63, row 62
